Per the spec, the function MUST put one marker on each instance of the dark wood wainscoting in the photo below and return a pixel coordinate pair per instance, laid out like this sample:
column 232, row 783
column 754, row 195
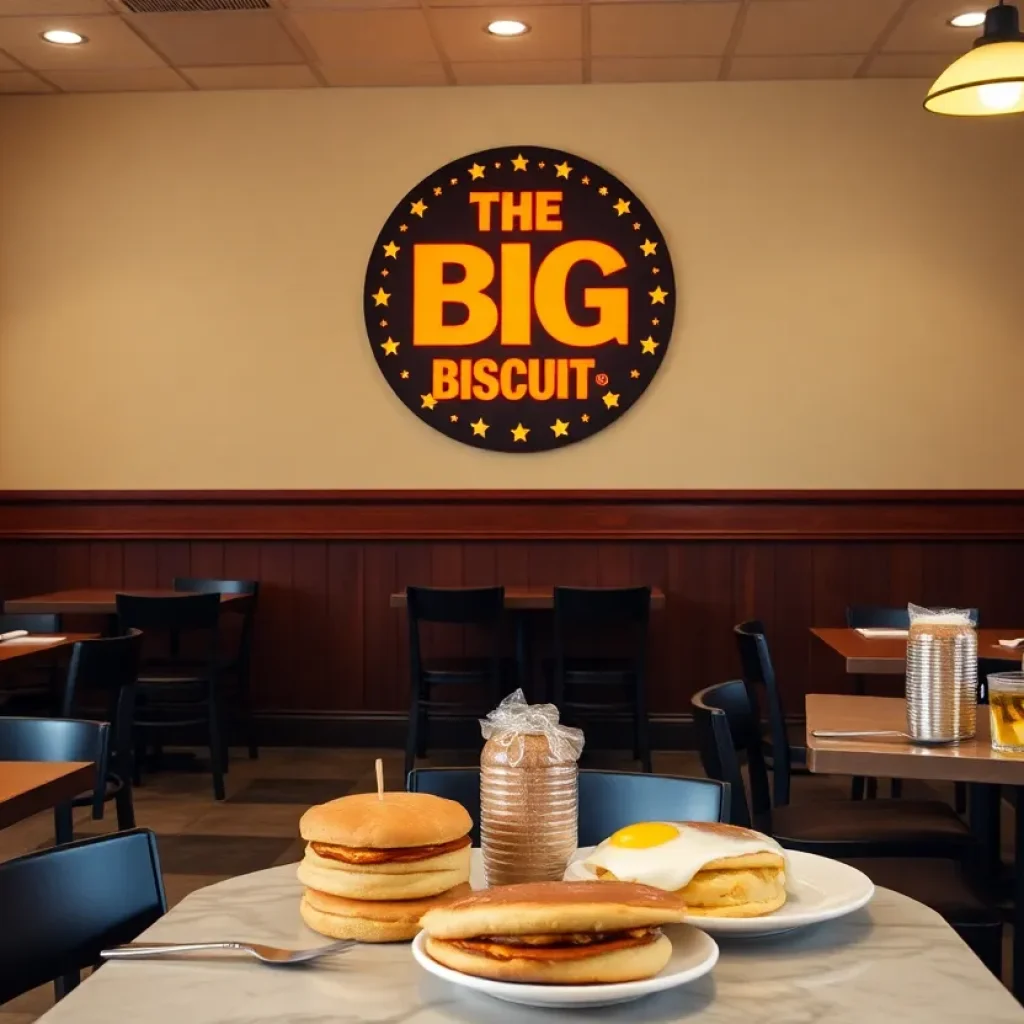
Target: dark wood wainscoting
column 328, row 643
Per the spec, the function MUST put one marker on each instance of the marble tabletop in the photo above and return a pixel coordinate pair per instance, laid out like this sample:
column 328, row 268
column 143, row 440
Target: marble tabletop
column 895, row 960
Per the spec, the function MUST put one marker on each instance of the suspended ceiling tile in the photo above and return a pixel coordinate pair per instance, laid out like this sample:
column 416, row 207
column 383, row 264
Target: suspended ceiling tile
column 112, row 45
column 925, row 28
column 519, row 72
column 37, row 7
column 814, row 26
column 654, row 69
column 21, row 82
column 384, row 72
column 781, row 68
column 661, row 29
column 909, row 65
column 556, row 33
column 392, row 35
column 144, row 80
column 258, row 76
column 219, row 37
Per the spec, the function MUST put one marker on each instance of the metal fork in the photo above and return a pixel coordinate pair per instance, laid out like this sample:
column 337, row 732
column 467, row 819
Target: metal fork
column 265, row 954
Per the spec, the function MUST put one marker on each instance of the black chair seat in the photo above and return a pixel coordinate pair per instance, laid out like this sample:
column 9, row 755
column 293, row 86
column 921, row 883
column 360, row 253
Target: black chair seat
column 895, row 821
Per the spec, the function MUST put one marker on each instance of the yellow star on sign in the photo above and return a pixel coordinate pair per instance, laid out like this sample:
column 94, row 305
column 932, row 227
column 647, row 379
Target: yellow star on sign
column 391, row 250
column 477, row 171
column 649, row 248
column 390, row 347
column 404, row 375
column 658, row 295
column 621, row 207
column 603, row 190
column 429, row 401
column 454, row 181
column 418, row 208
column 454, row 418
column 561, row 429
column 380, row 297
column 479, row 428
column 519, row 163
column 437, row 190
column 585, row 180
column 636, row 225
column 611, row 400
column 634, row 374
column 655, row 322
column 562, row 170
column 648, row 345
column 403, row 227
column 519, row 433
column 585, row 418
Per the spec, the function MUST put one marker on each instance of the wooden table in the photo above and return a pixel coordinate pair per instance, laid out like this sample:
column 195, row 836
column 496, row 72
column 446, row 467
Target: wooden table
column 102, row 601
column 33, row 648
column 27, row 787
column 530, row 599
column 969, row 761
column 887, row 656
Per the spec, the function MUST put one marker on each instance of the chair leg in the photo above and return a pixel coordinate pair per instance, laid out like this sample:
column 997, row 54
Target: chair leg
column 216, row 746
column 641, row 729
column 872, row 793
column 422, row 727
column 63, row 824
column 249, row 731
column 123, row 801
column 960, row 797
column 140, row 754
column 412, row 736
column 64, row 984
column 895, row 788
column 857, row 790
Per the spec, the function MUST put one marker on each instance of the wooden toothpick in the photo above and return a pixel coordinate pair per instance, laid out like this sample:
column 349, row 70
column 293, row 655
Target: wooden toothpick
column 380, row 778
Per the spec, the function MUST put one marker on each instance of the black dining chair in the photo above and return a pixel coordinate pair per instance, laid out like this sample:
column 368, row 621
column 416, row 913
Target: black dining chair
column 608, row 801
column 35, row 692
column 918, row 847
column 235, row 664
column 480, row 607
column 587, row 685
column 176, row 691
column 54, row 740
column 64, row 905
column 784, row 742
column 101, row 681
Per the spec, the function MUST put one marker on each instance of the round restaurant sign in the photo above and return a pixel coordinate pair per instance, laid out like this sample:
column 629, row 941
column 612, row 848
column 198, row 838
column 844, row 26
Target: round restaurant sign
column 519, row 299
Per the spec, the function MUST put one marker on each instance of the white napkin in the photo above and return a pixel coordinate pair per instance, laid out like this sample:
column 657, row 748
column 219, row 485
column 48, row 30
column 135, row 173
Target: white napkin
column 879, row 632
column 1019, row 642
column 14, row 634
column 34, row 641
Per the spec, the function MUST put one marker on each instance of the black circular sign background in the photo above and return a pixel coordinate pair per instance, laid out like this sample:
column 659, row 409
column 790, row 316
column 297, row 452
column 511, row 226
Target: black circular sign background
column 594, row 205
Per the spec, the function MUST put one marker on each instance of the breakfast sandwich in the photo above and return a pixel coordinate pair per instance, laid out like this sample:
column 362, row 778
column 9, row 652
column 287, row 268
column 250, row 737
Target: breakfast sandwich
column 717, row 870
column 556, row 933
column 367, row 853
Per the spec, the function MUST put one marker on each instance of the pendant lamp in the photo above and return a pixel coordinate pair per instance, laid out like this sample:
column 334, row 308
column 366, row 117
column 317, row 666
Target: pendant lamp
column 989, row 78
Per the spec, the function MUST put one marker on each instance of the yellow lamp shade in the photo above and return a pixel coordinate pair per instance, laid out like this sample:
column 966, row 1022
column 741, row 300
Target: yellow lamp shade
column 985, row 81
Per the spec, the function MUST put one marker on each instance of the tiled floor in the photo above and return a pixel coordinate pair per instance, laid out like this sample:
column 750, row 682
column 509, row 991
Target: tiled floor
column 256, row 827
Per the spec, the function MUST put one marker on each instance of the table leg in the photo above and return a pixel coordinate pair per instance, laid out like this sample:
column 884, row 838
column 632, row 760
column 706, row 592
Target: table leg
column 1018, row 896
column 524, row 650
column 983, row 811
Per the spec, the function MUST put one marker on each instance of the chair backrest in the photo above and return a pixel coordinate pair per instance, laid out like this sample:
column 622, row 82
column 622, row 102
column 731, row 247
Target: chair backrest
column 866, row 616
column 728, row 733
column 63, row 905
column 58, row 739
column 602, row 605
column 33, row 623
column 455, row 605
column 765, row 700
column 203, row 585
column 608, row 801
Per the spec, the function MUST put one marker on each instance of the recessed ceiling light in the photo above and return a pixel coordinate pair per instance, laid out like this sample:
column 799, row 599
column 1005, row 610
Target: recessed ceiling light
column 508, row 28
column 969, row 19
column 63, row 37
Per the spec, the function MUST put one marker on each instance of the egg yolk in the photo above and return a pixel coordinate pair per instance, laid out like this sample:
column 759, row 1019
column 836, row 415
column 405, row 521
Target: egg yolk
column 644, row 835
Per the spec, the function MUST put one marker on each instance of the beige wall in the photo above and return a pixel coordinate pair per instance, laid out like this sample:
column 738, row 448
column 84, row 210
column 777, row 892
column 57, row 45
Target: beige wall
column 180, row 287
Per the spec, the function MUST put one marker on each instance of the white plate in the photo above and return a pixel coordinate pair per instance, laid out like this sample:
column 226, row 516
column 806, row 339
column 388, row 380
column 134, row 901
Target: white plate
column 817, row 889
column 693, row 954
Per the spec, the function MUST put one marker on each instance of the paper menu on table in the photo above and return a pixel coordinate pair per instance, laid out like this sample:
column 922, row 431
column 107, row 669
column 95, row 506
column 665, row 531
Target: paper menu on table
column 33, row 641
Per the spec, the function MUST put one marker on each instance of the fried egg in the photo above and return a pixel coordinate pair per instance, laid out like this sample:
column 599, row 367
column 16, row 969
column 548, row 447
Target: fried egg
column 668, row 854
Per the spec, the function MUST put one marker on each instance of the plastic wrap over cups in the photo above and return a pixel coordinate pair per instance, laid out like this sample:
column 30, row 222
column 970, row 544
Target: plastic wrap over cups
column 528, row 792
column 942, row 675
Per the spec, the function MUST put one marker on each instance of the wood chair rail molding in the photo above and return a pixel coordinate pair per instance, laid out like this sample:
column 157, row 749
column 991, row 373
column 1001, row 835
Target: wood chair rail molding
column 513, row 515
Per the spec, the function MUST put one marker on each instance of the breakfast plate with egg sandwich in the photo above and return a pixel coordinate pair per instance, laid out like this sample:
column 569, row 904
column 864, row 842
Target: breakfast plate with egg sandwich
column 565, row 943
column 733, row 880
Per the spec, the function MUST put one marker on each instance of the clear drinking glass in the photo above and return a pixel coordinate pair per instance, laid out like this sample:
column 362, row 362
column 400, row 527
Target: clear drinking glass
column 1006, row 711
